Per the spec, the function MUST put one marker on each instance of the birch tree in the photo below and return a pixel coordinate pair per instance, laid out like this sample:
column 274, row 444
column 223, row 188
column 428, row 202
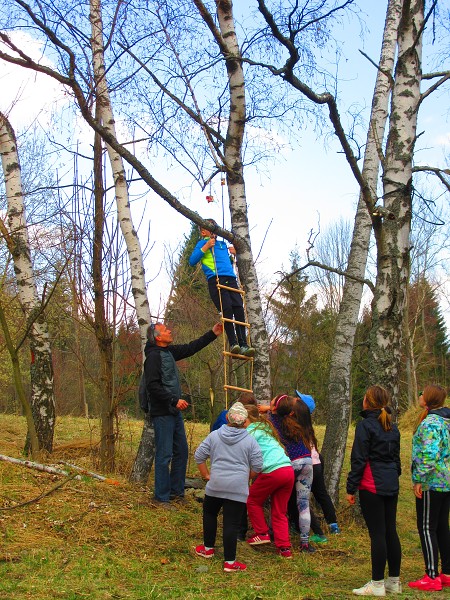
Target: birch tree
column 339, row 386
column 227, row 42
column 42, row 399
column 390, row 217
column 392, row 224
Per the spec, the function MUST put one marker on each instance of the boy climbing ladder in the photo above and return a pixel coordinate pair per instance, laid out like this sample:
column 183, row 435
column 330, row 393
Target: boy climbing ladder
column 218, row 268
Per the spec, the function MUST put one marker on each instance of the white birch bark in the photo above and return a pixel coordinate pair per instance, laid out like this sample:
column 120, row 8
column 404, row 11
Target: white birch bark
column 42, row 400
column 339, row 386
column 237, row 197
column 393, row 235
column 121, row 190
column 144, row 457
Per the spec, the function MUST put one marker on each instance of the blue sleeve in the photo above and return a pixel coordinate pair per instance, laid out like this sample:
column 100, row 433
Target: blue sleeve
column 221, row 420
column 197, row 253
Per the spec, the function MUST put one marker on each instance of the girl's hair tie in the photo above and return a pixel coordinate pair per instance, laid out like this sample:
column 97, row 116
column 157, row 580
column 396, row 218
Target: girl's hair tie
column 279, row 399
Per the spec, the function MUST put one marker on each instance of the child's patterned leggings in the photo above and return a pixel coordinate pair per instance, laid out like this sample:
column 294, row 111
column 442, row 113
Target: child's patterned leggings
column 303, row 470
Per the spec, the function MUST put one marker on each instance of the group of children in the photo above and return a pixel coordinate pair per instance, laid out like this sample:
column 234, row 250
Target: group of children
column 275, row 451
column 278, row 451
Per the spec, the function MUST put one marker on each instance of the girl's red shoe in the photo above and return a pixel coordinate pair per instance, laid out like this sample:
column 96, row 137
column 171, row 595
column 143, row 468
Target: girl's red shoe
column 427, row 584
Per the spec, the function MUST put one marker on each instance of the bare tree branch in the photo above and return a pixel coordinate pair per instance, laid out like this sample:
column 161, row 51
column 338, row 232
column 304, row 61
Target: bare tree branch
column 436, row 171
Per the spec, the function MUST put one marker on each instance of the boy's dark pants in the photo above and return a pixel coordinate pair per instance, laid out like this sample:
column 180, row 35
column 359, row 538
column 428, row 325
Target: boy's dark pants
column 232, row 308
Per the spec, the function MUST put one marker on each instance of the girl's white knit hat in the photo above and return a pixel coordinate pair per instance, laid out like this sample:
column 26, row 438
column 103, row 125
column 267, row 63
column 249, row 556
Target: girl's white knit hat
column 237, row 413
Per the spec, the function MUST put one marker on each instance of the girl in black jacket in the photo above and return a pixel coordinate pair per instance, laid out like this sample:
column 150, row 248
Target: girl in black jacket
column 375, row 469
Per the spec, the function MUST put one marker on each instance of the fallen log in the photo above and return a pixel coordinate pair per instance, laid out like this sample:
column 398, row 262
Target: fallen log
column 55, row 471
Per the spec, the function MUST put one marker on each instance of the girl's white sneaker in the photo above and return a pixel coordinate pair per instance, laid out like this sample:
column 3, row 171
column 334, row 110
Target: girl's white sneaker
column 371, row 589
column 392, row 587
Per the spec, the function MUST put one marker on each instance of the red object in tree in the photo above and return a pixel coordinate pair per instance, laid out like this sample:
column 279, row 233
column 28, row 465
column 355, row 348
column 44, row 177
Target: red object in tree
column 210, row 198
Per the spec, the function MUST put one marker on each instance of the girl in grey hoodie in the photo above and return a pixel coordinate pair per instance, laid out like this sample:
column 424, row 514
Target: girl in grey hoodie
column 235, row 457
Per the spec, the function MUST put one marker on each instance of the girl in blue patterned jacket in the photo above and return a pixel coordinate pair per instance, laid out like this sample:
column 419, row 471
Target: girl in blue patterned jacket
column 431, row 484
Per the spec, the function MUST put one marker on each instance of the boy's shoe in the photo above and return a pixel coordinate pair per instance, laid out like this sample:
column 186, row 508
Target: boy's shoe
column 334, row 528
column 235, row 349
column 445, row 580
column 247, row 351
column 370, row 589
column 307, row 548
column 285, row 552
column 256, row 540
column 236, row 566
column 203, row 552
column 392, row 587
column 318, row 539
column 427, row 584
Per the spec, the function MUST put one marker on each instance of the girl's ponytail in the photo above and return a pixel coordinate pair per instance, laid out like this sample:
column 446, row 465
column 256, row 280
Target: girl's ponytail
column 378, row 398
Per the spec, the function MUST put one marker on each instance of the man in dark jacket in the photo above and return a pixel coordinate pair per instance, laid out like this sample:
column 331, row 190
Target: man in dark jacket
column 165, row 406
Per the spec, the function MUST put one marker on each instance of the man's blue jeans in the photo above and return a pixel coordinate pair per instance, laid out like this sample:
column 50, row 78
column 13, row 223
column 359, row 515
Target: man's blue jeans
column 171, row 455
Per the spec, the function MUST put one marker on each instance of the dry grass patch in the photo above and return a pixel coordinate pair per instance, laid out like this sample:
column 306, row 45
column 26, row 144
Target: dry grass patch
column 92, row 540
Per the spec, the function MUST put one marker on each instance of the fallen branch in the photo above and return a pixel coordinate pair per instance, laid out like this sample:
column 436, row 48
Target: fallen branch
column 47, row 493
column 91, row 473
column 55, row 471
column 34, row 465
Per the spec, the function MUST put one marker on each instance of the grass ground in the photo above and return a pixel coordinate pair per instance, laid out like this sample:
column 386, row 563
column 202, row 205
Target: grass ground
column 92, row 540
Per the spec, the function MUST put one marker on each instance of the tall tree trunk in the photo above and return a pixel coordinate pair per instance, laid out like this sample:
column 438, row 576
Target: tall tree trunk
column 106, row 118
column 42, row 399
column 229, row 47
column 101, row 327
column 18, row 385
column 339, row 386
column 392, row 232
column 145, row 453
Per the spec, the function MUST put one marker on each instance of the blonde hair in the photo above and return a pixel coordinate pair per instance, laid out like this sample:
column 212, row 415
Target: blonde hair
column 377, row 397
column 434, row 397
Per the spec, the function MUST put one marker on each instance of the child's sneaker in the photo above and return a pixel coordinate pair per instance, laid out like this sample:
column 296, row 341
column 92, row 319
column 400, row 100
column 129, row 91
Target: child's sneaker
column 285, row 552
column 427, row 584
column 334, row 528
column 203, row 552
column 247, row 351
column 235, row 349
column 392, row 587
column 370, row 589
column 445, row 580
column 256, row 540
column 236, row 566
column 318, row 539
column 307, row 548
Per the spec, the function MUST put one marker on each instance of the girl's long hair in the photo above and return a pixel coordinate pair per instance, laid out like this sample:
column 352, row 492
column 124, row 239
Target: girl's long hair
column 434, row 397
column 296, row 421
column 379, row 398
column 264, row 424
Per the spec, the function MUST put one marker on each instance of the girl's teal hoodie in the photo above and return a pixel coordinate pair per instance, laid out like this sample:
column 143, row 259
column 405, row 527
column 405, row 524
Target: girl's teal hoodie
column 274, row 455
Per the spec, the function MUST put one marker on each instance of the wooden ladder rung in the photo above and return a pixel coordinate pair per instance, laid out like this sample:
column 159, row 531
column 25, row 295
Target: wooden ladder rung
column 231, row 289
column 237, row 389
column 237, row 322
column 241, row 356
